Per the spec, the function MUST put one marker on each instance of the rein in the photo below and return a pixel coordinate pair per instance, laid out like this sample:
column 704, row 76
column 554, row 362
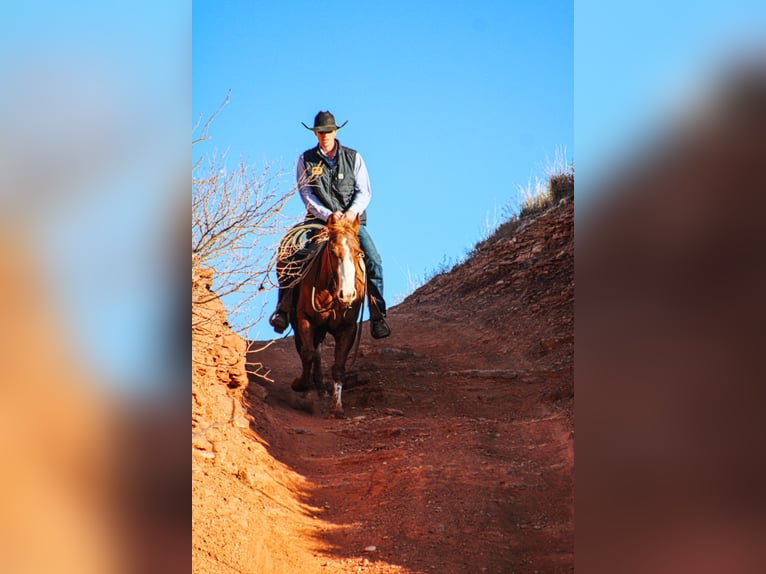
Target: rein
column 361, row 315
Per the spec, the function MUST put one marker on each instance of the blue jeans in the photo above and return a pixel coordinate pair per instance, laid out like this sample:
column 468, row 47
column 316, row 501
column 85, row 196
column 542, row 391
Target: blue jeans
column 374, row 266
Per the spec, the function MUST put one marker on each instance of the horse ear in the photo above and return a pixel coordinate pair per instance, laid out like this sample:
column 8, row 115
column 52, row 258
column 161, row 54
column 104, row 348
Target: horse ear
column 357, row 220
column 332, row 220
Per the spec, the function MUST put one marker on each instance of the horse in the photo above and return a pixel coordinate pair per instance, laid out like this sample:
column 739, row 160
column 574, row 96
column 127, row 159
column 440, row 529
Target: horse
column 328, row 299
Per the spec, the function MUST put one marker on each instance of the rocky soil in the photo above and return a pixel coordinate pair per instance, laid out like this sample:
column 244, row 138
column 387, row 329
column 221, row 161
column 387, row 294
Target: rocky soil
column 457, row 451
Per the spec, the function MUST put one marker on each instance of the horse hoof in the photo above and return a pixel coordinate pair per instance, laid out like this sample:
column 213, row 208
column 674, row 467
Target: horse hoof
column 299, row 386
column 336, row 415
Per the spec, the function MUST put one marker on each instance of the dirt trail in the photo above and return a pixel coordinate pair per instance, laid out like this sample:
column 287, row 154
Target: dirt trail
column 456, row 453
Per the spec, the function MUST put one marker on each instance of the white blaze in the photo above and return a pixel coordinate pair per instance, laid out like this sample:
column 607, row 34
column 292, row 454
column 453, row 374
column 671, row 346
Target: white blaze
column 347, row 274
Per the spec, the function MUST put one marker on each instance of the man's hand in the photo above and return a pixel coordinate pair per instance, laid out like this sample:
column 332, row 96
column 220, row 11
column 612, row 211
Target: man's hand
column 349, row 215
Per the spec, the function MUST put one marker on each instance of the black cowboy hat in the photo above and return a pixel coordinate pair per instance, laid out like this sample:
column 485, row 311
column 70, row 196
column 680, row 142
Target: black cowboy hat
column 324, row 122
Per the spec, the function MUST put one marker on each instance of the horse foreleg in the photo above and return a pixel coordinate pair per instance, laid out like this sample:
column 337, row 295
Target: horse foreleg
column 343, row 346
column 307, row 354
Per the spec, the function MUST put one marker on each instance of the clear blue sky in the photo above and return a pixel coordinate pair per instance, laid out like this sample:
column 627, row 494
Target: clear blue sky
column 453, row 105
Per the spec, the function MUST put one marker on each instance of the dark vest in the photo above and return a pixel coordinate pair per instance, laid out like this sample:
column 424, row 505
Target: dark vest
column 333, row 187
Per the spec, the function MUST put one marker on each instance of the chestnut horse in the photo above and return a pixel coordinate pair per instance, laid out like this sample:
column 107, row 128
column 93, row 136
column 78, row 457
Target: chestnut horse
column 328, row 299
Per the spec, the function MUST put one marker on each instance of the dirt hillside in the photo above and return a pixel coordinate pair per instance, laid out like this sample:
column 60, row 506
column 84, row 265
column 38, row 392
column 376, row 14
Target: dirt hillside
column 456, row 453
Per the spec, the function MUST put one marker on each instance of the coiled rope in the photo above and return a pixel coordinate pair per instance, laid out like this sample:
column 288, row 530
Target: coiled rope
column 298, row 248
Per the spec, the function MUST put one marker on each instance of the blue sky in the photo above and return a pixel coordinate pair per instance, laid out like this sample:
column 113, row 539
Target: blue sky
column 452, row 105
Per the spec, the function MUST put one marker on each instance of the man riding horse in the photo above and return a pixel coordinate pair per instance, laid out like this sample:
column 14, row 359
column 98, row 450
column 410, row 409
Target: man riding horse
column 333, row 179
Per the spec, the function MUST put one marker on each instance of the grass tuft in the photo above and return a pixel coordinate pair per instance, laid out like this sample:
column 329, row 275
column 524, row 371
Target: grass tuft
column 536, row 197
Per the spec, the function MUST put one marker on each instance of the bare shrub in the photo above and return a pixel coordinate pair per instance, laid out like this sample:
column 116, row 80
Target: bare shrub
column 236, row 220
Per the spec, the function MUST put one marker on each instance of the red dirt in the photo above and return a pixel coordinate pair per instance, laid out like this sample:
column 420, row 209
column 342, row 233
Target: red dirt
column 456, row 453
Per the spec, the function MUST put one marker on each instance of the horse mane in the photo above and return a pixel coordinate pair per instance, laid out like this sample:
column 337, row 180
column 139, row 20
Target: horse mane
column 341, row 225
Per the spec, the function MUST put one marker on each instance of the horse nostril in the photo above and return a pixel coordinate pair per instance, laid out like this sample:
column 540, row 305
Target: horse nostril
column 345, row 296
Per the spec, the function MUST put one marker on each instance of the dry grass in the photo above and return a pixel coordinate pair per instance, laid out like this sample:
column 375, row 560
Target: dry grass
column 561, row 185
column 557, row 183
column 537, row 196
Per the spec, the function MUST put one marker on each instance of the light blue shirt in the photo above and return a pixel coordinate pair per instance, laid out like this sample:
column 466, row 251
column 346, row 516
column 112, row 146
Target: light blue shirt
column 362, row 190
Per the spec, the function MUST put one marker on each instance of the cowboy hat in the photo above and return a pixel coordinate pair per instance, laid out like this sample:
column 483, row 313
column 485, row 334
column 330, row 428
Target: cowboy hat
column 324, row 122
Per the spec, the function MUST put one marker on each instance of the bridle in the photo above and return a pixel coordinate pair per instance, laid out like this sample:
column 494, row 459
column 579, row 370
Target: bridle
column 358, row 265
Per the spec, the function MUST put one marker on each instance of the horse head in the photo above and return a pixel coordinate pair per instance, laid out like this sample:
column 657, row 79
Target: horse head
column 344, row 251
